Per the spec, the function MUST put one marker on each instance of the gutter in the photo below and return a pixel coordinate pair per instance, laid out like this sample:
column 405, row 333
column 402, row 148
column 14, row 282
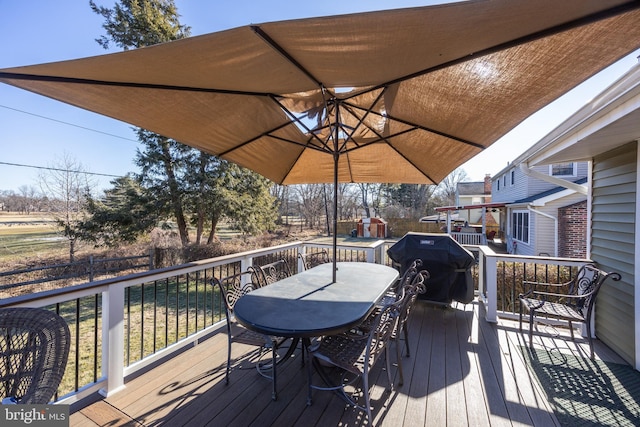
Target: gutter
column 581, row 189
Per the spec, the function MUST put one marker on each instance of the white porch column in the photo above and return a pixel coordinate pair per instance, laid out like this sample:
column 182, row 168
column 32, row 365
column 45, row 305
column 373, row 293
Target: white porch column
column 113, row 339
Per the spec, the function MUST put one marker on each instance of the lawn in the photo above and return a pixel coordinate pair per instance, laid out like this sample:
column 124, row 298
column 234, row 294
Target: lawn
column 28, row 236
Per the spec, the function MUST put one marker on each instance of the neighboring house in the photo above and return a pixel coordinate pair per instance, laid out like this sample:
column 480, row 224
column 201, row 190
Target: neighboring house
column 473, row 193
column 473, row 219
column 542, row 216
column 606, row 133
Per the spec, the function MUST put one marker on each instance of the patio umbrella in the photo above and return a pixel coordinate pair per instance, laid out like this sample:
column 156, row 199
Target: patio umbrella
column 397, row 96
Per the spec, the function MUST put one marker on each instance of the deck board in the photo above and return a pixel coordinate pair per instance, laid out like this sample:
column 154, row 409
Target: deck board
column 461, row 371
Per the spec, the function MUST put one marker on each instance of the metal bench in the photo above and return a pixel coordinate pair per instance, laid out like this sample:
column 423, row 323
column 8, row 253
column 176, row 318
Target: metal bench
column 572, row 301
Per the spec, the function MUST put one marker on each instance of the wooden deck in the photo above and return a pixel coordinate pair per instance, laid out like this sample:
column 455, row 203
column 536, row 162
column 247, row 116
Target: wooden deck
column 462, row 371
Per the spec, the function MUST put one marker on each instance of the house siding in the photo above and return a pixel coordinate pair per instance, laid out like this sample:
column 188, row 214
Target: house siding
column 524, row 186
column 613, row 214
column 545, row 231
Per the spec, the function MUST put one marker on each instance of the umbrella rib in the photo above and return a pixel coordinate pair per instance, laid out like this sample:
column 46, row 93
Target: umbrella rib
column 360, row 120
column 297, row 120
column 310, row 146
column 386, row 140
column 271, row 42
column 424, row 128
column 255, row 138
column 594, row 17
column 60, row 79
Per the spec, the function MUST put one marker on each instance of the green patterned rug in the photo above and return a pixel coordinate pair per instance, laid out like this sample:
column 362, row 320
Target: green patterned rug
column 584, row 392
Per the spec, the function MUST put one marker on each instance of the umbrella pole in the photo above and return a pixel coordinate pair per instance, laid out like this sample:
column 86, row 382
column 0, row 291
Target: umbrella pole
column 336, row 155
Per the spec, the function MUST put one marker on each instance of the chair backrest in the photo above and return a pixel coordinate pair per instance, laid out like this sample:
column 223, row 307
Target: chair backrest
column 272, row 272
column 34, row 347
column 587, row 283
column 410, row 294
column 312, row 259
column 232, row 288
column 407, row 277
column 382, row 329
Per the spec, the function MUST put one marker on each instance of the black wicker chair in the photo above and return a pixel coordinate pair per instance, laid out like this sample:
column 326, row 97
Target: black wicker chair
column 34, row 347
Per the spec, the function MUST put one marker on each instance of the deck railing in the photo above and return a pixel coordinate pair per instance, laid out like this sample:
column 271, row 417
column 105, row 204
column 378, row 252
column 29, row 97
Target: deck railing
column 126, row 324
column 469, row 238
column 500, row 277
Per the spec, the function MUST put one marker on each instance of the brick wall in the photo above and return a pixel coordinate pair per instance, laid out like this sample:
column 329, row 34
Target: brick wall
column 487, row 184
column 572, row 230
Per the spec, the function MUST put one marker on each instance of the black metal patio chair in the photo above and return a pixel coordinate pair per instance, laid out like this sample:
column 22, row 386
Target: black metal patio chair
column 572, row 301
column 34, row 347
column 355, row 353
column 406, row 289
column 312, row 259
column 409, row 295
column 232, row 288
column 272, row 272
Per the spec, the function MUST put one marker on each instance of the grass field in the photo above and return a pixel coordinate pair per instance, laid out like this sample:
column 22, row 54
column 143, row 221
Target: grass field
column 33, row 237
column 28, row 236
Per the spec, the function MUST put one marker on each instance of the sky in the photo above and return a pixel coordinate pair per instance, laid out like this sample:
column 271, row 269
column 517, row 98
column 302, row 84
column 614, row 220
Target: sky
column 37, row 132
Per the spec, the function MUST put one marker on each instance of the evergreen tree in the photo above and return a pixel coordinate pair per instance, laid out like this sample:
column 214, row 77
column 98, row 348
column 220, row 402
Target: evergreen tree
column 135, row 24
column 124, row 213
column 191, row 186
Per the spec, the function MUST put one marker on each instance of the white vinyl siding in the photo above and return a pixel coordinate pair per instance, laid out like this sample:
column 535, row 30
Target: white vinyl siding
column 525, row 186
column 612, row 246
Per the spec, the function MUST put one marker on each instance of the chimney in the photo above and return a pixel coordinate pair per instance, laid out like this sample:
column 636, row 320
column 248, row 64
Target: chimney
column 487, row 184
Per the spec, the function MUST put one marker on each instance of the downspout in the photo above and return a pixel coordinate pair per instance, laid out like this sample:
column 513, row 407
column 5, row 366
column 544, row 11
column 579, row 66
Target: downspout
column 581, row 189
column 555, row 227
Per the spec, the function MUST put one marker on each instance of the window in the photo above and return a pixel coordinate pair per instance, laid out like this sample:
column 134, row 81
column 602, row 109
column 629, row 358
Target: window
column 504, row 180
column 563, row 169
column 513, row 177
column 520, row 226
column 498, row 185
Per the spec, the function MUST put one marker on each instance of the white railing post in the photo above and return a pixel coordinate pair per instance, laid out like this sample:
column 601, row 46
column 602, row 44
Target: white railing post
column 245, row 263
column 371, row 255
column 491, row 288
column 113, row 339
column 301, row 250
column 482, row 271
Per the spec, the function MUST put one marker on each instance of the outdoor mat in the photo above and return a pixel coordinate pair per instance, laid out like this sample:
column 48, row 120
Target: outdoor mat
column 584, row 392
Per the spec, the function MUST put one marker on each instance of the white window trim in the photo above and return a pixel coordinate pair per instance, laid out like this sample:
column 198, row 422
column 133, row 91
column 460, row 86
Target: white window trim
column 513, row 235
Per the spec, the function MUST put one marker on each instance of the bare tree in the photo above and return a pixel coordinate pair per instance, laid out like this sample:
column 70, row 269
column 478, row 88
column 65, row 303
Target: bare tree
column 26, row 199
column 311, row 203
column 447, row 187
column 370, row 198
column 348, row 201
column 66, row 185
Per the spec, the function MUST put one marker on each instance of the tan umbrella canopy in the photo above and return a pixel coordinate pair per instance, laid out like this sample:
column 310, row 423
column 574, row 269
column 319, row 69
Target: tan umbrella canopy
column 400, row 96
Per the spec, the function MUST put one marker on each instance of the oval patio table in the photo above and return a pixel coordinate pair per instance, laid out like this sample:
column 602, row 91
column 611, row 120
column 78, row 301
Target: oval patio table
column 309, row 304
